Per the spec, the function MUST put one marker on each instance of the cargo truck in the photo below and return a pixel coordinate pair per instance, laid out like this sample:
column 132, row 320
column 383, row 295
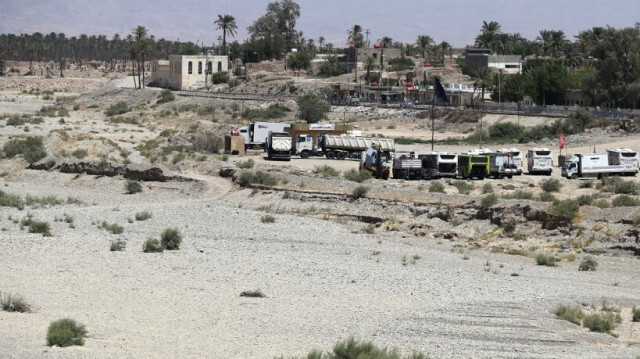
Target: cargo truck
column 279, row 146
column 501, row 165
column 597, row 165
column 472, row 165
column 438, row 165
column 624, row 156
column 407, row 166
column 539, row 160
column 516, row 158
column 341, row 147
column 255, row 135
column 305, row 136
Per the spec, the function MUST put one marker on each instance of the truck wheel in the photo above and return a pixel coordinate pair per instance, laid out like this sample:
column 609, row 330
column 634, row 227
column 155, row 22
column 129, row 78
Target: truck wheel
column 304, row 154
column 574, row 176
column 340, row 155
column 331, row 155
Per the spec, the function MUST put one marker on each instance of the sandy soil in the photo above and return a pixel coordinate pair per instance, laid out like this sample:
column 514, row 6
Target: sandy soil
column 325, row 278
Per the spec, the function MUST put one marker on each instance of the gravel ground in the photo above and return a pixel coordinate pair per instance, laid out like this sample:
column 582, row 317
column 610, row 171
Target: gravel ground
column 322, row 281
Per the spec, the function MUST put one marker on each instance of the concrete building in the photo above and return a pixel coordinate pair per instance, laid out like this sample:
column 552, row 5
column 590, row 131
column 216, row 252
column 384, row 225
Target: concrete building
column 480, row 58
column 187, row 72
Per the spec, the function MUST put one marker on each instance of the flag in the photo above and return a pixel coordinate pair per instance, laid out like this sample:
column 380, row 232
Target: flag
column 438, row 92
column 561, row 141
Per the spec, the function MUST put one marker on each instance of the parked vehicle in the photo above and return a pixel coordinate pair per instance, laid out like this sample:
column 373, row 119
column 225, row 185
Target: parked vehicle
column 407, row 166
column 624, row 156
column 439, row 164
column 472, row 165
column 501, row 165
column 598, row 165
column 372, row 160
column 539, row 160
column 279, row 146
column 341, row 147
column 306, row 136
column 255, row 135
column 516, row 158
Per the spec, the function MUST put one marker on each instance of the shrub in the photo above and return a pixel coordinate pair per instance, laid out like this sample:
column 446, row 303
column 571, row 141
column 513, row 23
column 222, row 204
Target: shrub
column 132, row 187
column 259, row 177
column 14, row 303
column 31, row 148
column 117, row 109
column 166, row 96
column 117, row 245
column 487, row 188
column 351, row 348
column 143, row 216
column 463, row 187
column 546, row 197
column 80, row 153
column 357, row 176
column 36, row 226
column 635, row 314
column 171, row 239
column 550, row 185
column 152, row 245
column 567, row 208
column 588, row 264
column 11, row 200
column 312, row 107
column 272, row 112
column 602, row 203
column 268, row 219
column 221, row 77
column 519, row 194
column 113, row 227
column 585, row 200
column 601, row 322
column 625, row 201
column 436, row 187
column 65, row 332
column 359, row 192
column 326, row 170
column 546, row 260
column 208, row 142
column 246, row 164
column 571, row 314
column 585, row 184
column 253, row 294
column 618, row 185
column 489, row 200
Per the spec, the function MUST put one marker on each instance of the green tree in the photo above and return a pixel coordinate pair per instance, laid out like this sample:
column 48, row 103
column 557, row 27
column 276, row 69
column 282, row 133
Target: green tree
column 274, row 33
column 424, row 43
column 331, row 67
column 369, row 64
column 355, row 36
column 142, row 48
column 227, row 24
column 299, row 61
column 312, row 108
column 483, row 78
column 489, row 36
column 386, row 42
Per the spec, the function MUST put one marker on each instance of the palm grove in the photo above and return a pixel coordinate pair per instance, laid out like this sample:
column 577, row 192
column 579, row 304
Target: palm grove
column 602, row 62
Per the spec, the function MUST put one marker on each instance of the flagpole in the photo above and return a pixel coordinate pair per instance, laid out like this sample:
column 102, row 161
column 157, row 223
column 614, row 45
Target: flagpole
column 433, row 104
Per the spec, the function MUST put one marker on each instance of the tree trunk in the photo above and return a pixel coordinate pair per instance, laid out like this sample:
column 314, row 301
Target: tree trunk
column 133, row 72
column 139, row 77
column 143, row 81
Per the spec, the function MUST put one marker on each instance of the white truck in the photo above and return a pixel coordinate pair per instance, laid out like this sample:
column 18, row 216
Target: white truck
column 279, row 146
column 501, row 165
column 342, row 147
column 516, row 158
column 624, row 156
column 439, row 164
column 255, row 135
column 407, row 166
column 539, row 160
column 597, row 165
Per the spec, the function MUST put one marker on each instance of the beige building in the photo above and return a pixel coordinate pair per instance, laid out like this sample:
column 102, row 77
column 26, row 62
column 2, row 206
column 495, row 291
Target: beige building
column 187, row 72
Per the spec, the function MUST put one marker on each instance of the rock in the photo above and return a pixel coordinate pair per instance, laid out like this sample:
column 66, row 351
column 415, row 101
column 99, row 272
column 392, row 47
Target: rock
column 140, row 172
column 227, row 172
column 44, row 164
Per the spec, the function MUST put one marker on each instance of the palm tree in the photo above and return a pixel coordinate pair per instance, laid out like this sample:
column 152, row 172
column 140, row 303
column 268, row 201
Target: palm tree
column 142, row 48
column 558, row 42
column 355, row 36
column 482, row 78
column 369, row 63
column 544, row 41
column 488, row 34
column 227, row 24
column 321, row 41
column 386, row 42
column 424, row 42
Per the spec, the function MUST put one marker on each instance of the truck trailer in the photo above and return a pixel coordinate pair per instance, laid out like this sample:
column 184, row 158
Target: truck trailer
column 255, row 135
column 407, row 166
column 597, row 165
column 279, row 146
column 539, row 161
column 306, row 136
column 473, row 165
column 342, row 147
column 501, row 165
column 624, row 156
column 438, row 165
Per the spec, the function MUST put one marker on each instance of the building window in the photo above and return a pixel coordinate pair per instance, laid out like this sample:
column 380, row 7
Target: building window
column 209, row 67
column 219, row 66
column 190, row 69
column 199, row 67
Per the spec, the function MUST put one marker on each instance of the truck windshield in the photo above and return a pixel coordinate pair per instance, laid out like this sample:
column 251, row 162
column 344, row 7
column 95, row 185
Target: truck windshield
column 543, row 153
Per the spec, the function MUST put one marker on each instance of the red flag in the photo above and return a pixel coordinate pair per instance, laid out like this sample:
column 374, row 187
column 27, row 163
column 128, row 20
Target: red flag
column 561, row 141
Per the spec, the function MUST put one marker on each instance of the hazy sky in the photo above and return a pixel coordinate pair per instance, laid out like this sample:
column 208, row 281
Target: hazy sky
column 454, row 21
